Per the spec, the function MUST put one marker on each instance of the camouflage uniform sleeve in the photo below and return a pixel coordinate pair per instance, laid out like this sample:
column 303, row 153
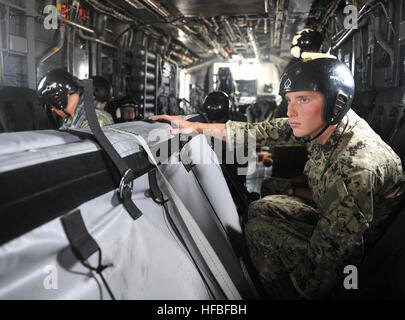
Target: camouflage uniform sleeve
column 85, row 124
column 276, row 132
column 104, row 119
column 337, row 240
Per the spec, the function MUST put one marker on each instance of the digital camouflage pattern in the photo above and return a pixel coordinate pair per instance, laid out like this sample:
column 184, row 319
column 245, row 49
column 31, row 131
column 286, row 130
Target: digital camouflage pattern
column 273, row 185
column 103, row 117
column 278, row 231
column 78, row 120
column 356, row 180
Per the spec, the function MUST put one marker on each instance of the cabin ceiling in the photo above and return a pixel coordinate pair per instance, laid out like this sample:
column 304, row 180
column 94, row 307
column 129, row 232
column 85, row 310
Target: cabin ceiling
column 221, row 28
column 212, row 8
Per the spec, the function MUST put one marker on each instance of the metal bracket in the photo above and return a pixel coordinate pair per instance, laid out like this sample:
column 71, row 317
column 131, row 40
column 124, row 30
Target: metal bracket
column 124, row 184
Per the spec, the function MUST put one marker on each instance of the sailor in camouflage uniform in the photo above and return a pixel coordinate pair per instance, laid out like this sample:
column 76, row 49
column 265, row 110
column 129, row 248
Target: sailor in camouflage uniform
column 300, row 250
column 61, row 92
column 305, row 41
column 301, row 244
column 79, row 120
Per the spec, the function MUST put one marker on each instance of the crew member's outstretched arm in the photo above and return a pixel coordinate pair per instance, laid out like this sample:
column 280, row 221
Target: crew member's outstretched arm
column 217, row 130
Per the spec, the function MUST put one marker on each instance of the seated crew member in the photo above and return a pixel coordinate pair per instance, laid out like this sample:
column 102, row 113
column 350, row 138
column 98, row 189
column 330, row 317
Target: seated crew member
column 62, row 92
column 127, row 109
column 289, row 162
column 102, row 91
column 216, row 108
column 355, row 179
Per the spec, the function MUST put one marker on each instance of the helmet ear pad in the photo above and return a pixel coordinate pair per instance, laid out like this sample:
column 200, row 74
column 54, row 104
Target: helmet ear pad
column 341, row 105
column 118, row 114
column 296, row 52
column 57, row 99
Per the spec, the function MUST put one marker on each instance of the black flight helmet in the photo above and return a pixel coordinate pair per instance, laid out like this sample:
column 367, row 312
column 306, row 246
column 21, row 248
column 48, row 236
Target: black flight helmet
column 55, row 87
column 216, row 106
column 306, row 40
column 127, row 102
column 329, row 76
column 102, row 89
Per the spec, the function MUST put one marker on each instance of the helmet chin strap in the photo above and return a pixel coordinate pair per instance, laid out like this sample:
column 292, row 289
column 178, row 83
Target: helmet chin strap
column 322, row 131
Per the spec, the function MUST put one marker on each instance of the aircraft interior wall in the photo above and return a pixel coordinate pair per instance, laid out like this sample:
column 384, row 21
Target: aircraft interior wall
column 375, row 66
column 168, row 56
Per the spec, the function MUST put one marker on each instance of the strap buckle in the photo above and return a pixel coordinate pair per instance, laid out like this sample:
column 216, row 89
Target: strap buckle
column 124, row 184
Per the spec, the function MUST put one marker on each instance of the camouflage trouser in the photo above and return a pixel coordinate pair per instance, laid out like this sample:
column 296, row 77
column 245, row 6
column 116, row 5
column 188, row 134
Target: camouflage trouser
column 272, row 186
column 277, row 233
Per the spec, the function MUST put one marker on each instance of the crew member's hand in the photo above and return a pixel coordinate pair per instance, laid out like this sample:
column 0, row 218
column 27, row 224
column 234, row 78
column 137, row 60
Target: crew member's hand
column 295, row 182
column 266, row 158
column 300, row 186
column 217, row 130
column 184, row 126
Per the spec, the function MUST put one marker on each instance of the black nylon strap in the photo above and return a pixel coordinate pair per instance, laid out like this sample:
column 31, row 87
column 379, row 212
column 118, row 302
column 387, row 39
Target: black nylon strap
column 157, row 194
column 322, row 131
column 129, row 204
column 125, row 172
column 82, row 243
column 96, row 129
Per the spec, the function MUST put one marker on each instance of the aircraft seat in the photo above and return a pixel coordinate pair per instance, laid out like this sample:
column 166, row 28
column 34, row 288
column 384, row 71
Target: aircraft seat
column 397, row 141
column 381, row 273
column 20, row 110
column 388, row 112
column 363, row 104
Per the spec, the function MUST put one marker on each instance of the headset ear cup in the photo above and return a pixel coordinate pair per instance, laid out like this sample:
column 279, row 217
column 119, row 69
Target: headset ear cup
column 138, row 113
column 340, row 106
column 118, row 113
column 296, row 52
